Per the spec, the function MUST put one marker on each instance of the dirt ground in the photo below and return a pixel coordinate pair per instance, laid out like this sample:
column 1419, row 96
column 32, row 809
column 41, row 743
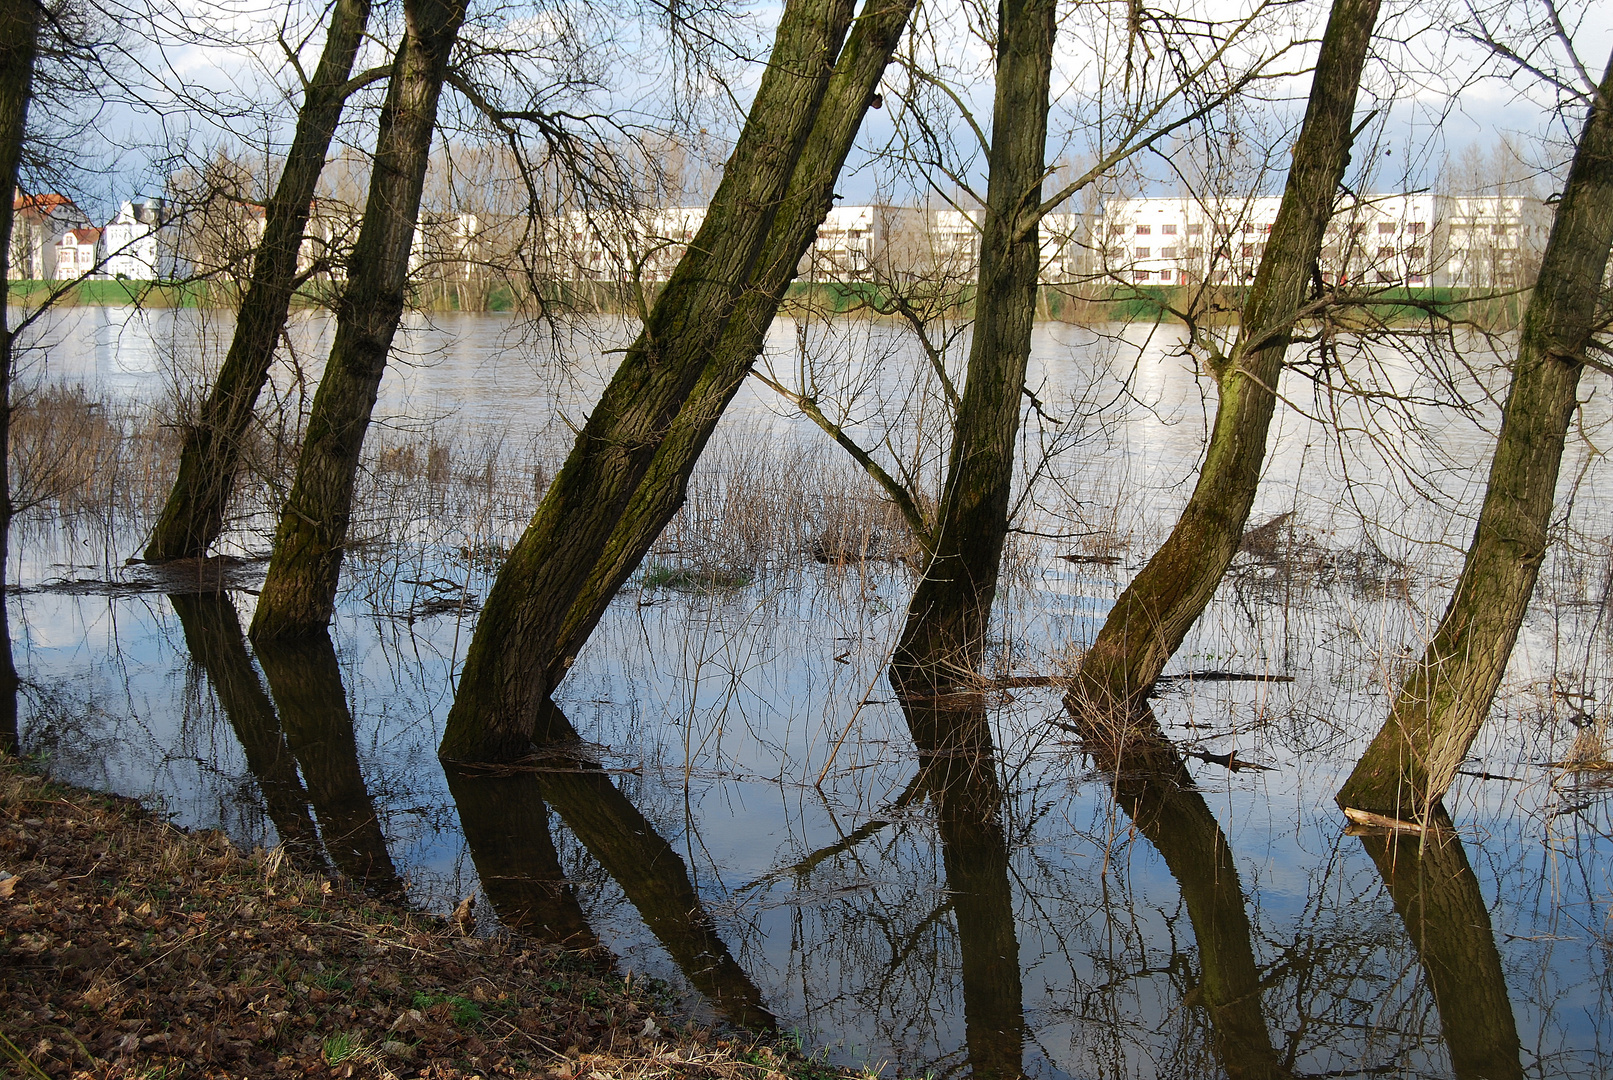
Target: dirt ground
column 131, row 948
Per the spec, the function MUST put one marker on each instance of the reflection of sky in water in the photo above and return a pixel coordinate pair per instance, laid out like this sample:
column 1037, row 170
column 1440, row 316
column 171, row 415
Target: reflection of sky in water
column 732, row 707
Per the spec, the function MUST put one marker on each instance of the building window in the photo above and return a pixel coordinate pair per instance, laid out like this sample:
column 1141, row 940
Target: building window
column 1386, row 228
column 1386, row 253
column 1167, row 230
column 1415, row 279
column 1416, row 254
column 1415, row 227
column 1144, row 253
column 1164, row 275
column 1140, row 275
column 1248, row 251
column 1195, row 253
column 1144, row 230
column 1167, row 253
column 1195, row 230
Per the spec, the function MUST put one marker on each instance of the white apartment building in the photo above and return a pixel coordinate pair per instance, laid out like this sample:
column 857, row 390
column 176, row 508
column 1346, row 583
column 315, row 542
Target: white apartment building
column 37, row 226
column 1390, row 240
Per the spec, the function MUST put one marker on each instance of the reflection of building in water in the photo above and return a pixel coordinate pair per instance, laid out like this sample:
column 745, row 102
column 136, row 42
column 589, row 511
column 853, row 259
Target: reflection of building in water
column 1388, row 240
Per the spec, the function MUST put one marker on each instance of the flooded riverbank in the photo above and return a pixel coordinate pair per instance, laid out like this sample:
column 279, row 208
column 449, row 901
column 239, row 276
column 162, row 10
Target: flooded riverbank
column 734, row 800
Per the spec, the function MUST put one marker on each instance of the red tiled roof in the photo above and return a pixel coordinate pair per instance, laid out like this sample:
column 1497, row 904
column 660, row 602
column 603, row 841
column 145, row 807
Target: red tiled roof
column 47, row 202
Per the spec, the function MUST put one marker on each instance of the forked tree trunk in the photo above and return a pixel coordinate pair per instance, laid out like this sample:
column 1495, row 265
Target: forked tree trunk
column 1153, row 615
column 1439, row 900
column 505, row 679
column 193, row 516
column 19, row 46
column 945, row 632
column 662, row 491
column 1411, row 762
column 299, row 592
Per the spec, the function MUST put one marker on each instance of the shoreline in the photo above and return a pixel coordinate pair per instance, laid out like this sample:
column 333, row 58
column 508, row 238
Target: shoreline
column 132, row 947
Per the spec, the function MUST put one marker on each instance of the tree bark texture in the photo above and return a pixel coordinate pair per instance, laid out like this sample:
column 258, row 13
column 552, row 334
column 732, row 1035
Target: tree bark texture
column 212, row 629
column 945, row 632
column 648, row 869
column 958, row 770
column 1153, row 615
column 306, row 683
column 210, row 457
column 505, row 679
column 299, row 592
column 1154, row 788
column 1438, row 898
column 658, row 496
column 1410, row 764
column 506, row 825
column 19, row 47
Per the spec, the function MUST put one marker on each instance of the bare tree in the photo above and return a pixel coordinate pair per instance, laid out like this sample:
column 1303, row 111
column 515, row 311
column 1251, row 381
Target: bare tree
column 1410, row 764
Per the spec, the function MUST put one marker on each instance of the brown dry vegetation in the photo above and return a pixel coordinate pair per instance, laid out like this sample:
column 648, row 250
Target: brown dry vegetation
column 130, row 948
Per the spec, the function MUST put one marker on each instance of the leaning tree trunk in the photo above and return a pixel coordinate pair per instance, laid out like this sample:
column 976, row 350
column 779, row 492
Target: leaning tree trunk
column 1149, row 621
column 193, row 516
column 662, row 491
column 1407, row 769
column 300, row 590
column 1439, row 900
column 19, row 45
column 945, row 631
column 505, row 678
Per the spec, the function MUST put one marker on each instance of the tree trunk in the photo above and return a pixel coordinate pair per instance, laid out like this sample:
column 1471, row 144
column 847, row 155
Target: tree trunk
column 1438, row 899
column 307, row 686
column 19, row 45
column 300, row 590
column 506, row 825
column 648, row 869
column 946, row 624
column 958, row 770
column 1154, row 788
column 662, row 491
column 212, row 629
column 1411, row 762
column 506, row 678
column 1153, row 615
column 193, row 516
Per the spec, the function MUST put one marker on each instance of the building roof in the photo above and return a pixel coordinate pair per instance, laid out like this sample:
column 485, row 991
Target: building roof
column 45, row 202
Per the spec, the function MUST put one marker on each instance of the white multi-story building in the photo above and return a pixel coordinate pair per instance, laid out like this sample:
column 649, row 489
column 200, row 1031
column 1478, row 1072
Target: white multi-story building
column 139, row 243
column 77, row 252
column 1391, row 240
column 37, row 226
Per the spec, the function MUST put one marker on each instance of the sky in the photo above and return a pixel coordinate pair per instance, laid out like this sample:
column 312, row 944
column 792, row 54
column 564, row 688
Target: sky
column 1427, row 84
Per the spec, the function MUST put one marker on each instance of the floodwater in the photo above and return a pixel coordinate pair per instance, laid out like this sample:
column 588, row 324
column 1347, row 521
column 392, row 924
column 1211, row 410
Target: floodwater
column 735, row 802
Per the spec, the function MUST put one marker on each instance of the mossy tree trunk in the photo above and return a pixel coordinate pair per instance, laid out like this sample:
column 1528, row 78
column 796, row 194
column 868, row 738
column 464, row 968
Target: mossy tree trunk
column 300, row 589
column 506, row 674
column 658, row 496
column 1439, row 900
column 945, row 632
column 193, row 517
column 19, row 47
column 1153, row 615
column 1410, row 764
